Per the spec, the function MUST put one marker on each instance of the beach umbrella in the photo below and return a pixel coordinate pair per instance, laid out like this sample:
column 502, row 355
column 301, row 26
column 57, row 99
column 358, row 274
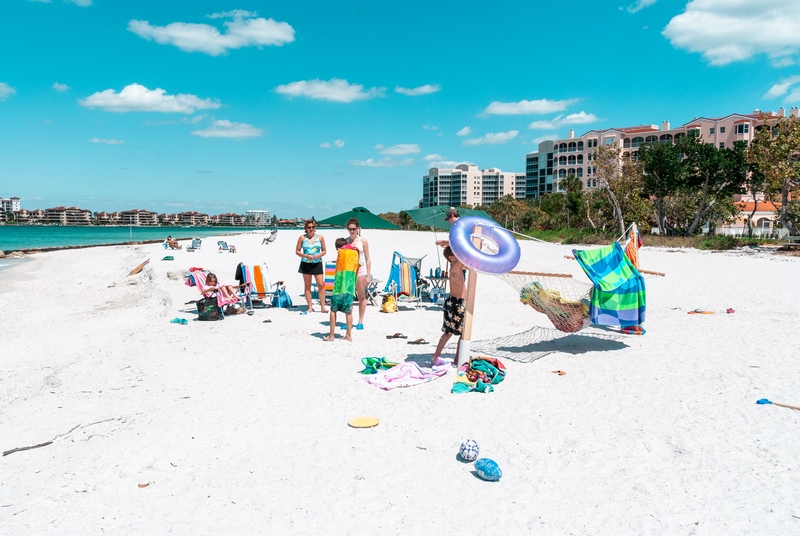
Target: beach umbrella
column 366, row 219
column 434, row 216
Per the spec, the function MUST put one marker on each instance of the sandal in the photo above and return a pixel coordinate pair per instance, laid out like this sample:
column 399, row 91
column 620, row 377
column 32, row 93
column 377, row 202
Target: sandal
column 418, row 341
column 396, row 336
column 559, row 372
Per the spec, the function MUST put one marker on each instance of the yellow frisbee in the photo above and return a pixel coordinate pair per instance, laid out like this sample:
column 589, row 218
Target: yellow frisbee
column 364, row 422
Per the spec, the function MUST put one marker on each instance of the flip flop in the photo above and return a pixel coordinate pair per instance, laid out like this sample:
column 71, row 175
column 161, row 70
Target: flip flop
column 396, row 336
column 559, row 372
column 418, row 341
column 700, row 312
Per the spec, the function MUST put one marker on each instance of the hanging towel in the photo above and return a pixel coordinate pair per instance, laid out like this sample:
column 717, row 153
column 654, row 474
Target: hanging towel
column 618, row 297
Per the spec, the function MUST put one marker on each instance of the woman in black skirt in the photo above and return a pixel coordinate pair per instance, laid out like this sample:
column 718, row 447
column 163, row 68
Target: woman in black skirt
column 311, row 250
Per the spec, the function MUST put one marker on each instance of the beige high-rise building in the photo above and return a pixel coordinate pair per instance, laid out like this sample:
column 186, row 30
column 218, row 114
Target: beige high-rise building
column 467, row 185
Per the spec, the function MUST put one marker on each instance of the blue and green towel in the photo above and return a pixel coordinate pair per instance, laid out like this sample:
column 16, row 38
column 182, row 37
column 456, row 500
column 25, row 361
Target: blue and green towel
column 618, row 297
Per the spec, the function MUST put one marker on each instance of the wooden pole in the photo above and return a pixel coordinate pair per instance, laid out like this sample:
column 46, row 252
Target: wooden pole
column 466, row 334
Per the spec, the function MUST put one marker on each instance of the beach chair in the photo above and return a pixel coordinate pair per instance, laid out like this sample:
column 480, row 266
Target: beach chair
column 197, row 278
column 402, row 282
column 271, row 238
column 223, row 247
column 257, row 286
column 196, row 244
column 330, row 275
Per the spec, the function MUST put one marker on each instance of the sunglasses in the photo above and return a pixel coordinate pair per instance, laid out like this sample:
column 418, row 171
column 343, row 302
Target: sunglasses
column 352, row 228
column 311, row 226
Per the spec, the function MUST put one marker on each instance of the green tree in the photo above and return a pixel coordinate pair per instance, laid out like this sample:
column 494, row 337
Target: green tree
column 507, row 211
column 662, row 176
column 712, row 175
column 774, row 150
column 573, row 203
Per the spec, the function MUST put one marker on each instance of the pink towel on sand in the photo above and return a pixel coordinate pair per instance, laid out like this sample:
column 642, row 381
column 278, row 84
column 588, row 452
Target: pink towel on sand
column 406, row 374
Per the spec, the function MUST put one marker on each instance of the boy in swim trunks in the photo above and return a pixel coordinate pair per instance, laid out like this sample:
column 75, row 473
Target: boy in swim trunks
column 344, row 287
column 454, row 306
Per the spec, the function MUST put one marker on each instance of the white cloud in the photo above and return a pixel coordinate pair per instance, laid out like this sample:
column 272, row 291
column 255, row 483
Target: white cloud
column 234, row 14
column 337, row 143
column 448, row 164
column 335, row 89
column 137, row 98
column 541, row 106
column 492, row 138
column 228, row 129
column 430, row 127
column 431, row 157
column 240, row 32
column 782, row 87
column 81, row 3
column 545, row 137
column 640, row 4
column 6, row 91
column 724, row 31
column 421, row 90
column 60, row 87
column 580, row 118
column 464, row 132
column 107, row 142
column 379, row 146
column 794, row 96
column 387, row 161
column 402, row 148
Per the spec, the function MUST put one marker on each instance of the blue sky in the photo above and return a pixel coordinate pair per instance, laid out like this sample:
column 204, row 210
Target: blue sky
column 310, row 108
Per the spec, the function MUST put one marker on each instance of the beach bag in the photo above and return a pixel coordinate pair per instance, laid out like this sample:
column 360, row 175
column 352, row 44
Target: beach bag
column 389, row 304
column 207, row 309
column 281, row 298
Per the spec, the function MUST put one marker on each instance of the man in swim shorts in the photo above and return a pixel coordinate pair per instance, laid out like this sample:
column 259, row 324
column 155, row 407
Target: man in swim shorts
column 454, row 306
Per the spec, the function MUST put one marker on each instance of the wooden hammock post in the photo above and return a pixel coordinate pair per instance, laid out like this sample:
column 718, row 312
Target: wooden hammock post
column 466, row 334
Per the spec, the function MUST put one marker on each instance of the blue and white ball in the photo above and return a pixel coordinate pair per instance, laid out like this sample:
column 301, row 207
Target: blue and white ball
column 470, row 450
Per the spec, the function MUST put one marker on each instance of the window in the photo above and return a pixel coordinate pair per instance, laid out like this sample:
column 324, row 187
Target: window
column 562, row 160
column 562, row 148
column 742, row 128
column 571, row 160
column 722, row 145
column 580, row 146
column 651, row 139
column 571, row 171
column 711, row 130
column 666, row 138
column 580, row 159
column 722, row 130
column 637, row 142
column 626, row 143
column 694, row 130
column 609, row 141
column 572, row 146
column 562, row 173
column 579, row 172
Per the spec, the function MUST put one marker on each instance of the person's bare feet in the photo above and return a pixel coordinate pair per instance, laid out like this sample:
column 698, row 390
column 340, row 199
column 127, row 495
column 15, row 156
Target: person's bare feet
column 324, row 310
column 328, row 338
column 348, row 338
column 310, row 310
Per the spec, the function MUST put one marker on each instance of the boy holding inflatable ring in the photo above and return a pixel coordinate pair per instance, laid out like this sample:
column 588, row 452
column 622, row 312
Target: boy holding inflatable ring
column 454, row 306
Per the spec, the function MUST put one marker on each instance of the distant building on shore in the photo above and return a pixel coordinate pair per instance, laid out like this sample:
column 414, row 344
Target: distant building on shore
column 557, row 159
column 9, row 205
column 68, row 216
column 138, row 217
column 257, row 217
column 467, row 185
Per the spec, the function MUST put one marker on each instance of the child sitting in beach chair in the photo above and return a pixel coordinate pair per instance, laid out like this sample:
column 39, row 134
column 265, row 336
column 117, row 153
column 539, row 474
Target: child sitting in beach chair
column 344, row 287
column 212, row 287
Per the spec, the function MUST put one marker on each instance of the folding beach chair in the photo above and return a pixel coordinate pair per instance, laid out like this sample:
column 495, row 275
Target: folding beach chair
column 223, row 247
column 196, row 243
column 257, row 286
column 271, row 238
column 197, row 278
column 402, row 282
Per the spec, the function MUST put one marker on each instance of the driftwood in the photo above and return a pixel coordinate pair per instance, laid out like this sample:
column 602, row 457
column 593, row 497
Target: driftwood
column 138, row 268
column 20, row 449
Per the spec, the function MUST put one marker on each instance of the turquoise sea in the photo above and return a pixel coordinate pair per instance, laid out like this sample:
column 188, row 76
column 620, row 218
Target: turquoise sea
column 23, row 237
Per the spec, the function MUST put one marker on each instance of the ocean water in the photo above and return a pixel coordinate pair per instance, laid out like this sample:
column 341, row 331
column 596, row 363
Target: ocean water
column 13, row 237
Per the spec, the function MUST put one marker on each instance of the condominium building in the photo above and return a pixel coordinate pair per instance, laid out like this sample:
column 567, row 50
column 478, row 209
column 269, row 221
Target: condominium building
column 9, row 205
column 192, row 218
column 68, row 216
column 139, row 217
column 556, row 160
column 257, row 217
column 467, row 185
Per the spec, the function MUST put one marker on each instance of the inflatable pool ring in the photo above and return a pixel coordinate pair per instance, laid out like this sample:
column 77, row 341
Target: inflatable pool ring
column 508, row 253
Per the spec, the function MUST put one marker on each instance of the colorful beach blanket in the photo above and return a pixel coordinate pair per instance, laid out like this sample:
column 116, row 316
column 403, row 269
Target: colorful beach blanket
column 373, row 364
column 618, row 297
column 479, row 375
column 406, row 374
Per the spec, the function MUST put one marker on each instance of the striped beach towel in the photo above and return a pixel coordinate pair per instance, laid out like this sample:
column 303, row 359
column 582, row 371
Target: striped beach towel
column 330, row 276
column 618, row 297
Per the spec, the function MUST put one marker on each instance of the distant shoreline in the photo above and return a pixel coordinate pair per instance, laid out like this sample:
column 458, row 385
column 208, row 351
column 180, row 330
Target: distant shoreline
column 28, row 251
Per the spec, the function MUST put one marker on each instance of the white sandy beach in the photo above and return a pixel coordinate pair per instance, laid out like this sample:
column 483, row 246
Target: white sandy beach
column 240, row 426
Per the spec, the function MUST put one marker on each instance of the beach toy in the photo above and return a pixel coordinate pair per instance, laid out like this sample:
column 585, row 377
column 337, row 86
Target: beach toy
column 168, row 258
column 508, row 250
column 181, row 321
column 363, row 422
column 469, row 450
column 488, row 469
column 767, row 401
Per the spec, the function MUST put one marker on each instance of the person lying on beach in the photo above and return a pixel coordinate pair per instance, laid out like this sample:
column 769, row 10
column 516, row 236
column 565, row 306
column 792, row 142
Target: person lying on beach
column 454, row 306
column 344, row 287
column 172, row 243
column 212, row 286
